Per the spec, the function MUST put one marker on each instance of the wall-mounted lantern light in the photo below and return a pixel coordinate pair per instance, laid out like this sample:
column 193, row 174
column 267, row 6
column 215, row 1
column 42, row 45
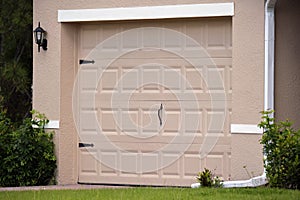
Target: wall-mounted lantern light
column 39, row 36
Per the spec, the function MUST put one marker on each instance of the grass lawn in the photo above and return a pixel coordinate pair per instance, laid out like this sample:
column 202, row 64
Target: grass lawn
column 154, row 193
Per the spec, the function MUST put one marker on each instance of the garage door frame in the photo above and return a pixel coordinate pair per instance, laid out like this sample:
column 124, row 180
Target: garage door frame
column 200, row 15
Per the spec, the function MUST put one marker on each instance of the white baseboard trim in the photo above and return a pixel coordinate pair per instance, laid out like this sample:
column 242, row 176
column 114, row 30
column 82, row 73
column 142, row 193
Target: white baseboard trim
column 53, row 124
column 245, row 128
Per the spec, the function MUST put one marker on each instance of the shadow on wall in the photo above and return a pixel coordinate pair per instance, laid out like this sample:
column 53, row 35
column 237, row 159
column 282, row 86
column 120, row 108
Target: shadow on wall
column 287, row 61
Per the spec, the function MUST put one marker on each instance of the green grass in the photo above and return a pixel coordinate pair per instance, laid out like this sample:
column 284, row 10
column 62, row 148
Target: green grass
column 154, row 193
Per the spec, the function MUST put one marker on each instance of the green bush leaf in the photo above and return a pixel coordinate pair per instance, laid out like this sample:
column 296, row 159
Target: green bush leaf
column 282, row 149
column 26, row 153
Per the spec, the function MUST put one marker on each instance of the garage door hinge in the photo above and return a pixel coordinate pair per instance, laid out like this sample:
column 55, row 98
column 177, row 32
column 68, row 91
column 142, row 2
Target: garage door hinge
column 86, row 62
column 85, row 145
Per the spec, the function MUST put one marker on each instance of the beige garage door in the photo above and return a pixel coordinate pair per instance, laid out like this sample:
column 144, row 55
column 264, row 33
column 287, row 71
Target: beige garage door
column 154, row 101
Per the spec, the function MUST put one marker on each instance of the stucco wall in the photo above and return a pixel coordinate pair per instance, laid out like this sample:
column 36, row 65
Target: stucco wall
column 46, row 64
column 287, row 61
column 55, row 69
column 247, row 84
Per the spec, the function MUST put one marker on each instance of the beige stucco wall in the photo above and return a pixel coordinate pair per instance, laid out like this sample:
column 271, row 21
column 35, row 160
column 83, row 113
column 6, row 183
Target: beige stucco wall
column 247, row 84
column 46, row 64
column 287, row 61
column 55, row 69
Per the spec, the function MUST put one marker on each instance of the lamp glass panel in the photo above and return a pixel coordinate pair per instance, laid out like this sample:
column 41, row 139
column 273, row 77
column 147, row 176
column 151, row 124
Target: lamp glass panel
column 39, row 36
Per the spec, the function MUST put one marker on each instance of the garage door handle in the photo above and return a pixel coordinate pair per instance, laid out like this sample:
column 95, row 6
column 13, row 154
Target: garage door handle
column 86, row 61
column 159, row 114
column 80, row 145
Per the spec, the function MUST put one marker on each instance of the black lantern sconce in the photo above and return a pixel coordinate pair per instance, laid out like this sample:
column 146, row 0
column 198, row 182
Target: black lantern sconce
column 39, row 36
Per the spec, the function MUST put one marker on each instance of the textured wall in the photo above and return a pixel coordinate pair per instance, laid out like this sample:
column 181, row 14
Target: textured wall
column 55, row 70
column 247, row 85
column 287, row 61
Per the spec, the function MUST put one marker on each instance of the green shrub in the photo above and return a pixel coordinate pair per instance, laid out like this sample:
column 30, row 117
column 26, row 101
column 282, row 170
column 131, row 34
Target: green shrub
column 26, row 153
column 282, row 150
column 206, row 179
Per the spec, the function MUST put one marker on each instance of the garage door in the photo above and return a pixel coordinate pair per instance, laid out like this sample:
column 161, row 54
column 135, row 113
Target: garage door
column 153, row 101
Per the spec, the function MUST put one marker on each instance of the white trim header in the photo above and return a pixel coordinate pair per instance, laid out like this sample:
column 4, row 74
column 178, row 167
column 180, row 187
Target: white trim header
column 148, row 12
column 246, row 128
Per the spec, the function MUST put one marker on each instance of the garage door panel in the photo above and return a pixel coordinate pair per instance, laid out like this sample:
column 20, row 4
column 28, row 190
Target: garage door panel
column 155, row 115
column 106, row 32
column 172, row 170
column 185, row 167
column 151, row 38
column 129, row 122
column 195, row 31
column 141, row 118
column 136, row 145
column 196, row 53
column 88, row 37
column 172, row 125
column 136, row 96
column 216, row 37
column 175, row 80
column 87, row 99
column 131, row 81
column 150, row 162
column 131, row 41
column 88, row 78
column 191, row 163
column 210, row 33
column 149, row 122
column 109, row 80
column 89, row 165
column 135, row 59
column 129, row 163
column 111, row 159
column 107, row 122
column 155, row 141
column 88, row 122
column 215, row 163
